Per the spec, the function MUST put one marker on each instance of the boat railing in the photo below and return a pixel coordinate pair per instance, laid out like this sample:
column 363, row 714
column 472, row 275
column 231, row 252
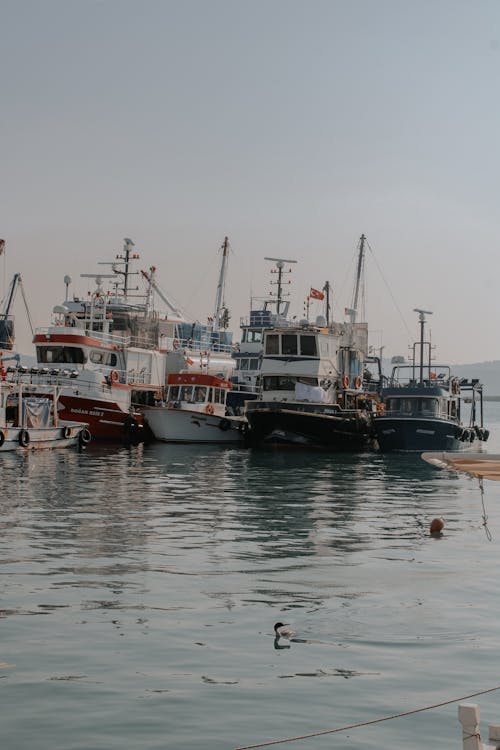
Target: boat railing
column 121, row 341
column 196, row 346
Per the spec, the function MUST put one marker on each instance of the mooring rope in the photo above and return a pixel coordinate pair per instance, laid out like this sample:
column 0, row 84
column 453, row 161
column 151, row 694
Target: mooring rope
column 485, row 517
column 366, row 723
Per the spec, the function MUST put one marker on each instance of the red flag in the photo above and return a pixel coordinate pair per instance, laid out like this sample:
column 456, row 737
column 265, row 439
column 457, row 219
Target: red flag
column 316, row 294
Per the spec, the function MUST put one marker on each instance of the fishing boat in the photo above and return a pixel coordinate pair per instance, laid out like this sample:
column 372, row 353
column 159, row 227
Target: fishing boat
column 194, row 412
column 265, row 313
column 109, row 353
column 422, row 405
column 316, row 389
column 28, row 421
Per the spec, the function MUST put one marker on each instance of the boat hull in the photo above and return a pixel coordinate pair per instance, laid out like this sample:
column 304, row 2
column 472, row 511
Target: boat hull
column 407, row 434
column 335, row 430
column 36, row 438
column 185, row 426
column 106, row 419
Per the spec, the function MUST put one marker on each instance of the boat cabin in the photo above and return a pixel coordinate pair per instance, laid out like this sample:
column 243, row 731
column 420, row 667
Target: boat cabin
column 198, row 390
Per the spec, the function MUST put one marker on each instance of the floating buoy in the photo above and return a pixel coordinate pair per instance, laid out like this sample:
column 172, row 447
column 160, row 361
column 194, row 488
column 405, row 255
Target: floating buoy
column 437, row 525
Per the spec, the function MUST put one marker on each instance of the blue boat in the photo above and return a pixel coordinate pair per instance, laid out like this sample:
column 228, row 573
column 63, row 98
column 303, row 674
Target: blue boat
column 423, row 405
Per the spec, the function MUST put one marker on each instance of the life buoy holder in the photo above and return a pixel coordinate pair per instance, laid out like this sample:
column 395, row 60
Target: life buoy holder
column 176, row 344
column 357, row 382
column 345, row 381
column 209, row 409
column 114, row 376
column 24, row 438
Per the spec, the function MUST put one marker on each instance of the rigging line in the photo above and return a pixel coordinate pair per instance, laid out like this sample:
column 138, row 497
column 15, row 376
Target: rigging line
column 389, row 290
column 368, row 723
column 485, row 517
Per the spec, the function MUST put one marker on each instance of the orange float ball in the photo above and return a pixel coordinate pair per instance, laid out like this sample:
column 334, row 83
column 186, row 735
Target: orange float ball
column 437, row 525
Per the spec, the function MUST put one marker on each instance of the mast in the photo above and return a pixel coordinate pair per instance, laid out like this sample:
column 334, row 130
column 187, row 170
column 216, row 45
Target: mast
column 280, row 265
column 220, row 305
column 326, row 290
column 421, row 317
column 359, row 274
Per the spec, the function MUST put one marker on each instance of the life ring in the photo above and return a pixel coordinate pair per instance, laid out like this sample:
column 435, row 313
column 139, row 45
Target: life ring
column 209, row 409
column 380, row 407
column 345, row 381
column 2, row 438
column 114, row 376
column 176, row 344
column 357, row 382
column 67, row 432
column 85, row 437
column 24, row 438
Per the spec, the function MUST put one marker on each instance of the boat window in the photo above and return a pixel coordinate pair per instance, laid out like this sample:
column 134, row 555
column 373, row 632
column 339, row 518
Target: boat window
column 252, row 337
column 186, row 393
column 60, row 355
column 173, row 393
column 200, row 394
column 279, row 383
column 308, row 346
column 253, row 364
column 217, row 395
column 244, row 363
column 99, row 357
column 289, row 343
column 429, row 406
column 272, row 344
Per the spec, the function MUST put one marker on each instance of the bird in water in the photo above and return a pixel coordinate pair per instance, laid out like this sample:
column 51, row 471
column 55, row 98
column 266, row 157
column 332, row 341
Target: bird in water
column 282, row 630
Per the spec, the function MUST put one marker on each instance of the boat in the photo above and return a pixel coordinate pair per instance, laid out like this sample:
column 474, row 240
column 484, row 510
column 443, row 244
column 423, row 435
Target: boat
column 265, row 313
column 29, row 421
column 422, row 405
column 316, row 389
column 109, row 353
column 194, row 411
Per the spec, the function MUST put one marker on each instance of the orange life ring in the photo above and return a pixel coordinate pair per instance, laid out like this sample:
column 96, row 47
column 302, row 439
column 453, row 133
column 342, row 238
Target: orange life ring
column 114, row 376
column 357, row 382
column 209, row 409
column 345, row 381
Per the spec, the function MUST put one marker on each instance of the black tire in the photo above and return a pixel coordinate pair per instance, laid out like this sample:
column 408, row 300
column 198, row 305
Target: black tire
column 24, row 438
column 85, row 437
column 2, row 438
column 224, row 425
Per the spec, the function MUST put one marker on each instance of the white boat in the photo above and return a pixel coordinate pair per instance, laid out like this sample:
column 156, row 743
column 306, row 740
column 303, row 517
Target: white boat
column 109, row 353
column 316, row 389
column 194, row 412
column 28, row 421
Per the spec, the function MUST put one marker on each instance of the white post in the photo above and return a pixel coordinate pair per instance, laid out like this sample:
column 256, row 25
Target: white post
column 469, row 718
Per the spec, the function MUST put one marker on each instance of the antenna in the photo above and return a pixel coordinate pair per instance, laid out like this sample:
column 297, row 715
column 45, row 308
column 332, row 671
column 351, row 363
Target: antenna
column 280, row 264
column 421, row 317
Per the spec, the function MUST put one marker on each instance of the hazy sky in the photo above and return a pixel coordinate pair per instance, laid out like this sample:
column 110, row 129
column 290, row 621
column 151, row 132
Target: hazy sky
column 292, row 127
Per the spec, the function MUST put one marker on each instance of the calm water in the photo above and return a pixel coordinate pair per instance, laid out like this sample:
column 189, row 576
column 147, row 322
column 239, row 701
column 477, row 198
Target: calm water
column 140, row 587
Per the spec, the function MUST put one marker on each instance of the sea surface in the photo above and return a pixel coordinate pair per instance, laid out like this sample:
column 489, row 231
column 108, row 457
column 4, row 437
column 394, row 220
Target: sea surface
column 140, row 586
